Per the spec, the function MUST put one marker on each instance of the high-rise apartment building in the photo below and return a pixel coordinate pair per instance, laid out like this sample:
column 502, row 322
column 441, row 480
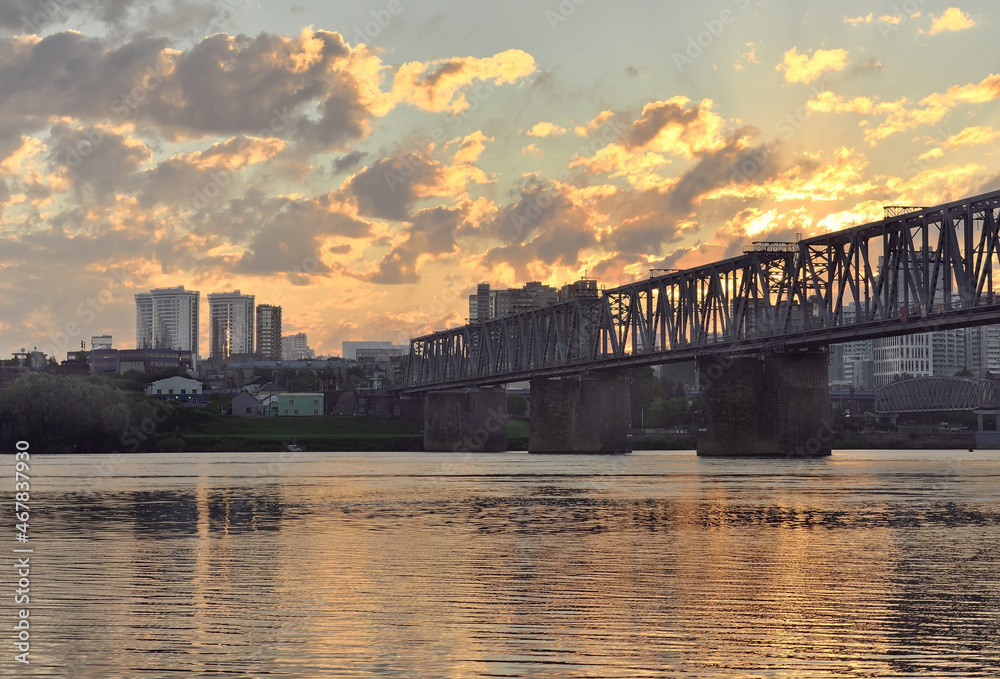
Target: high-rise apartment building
column 487, row 304
column 269, row 332
column 296, row 348
column 167, row 318
column 231, row 318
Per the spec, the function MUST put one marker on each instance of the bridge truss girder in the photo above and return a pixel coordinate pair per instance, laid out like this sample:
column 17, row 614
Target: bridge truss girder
column 914, row 272
column 937, row 394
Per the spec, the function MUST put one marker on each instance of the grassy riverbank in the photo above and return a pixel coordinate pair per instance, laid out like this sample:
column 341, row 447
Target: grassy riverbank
column 217, row 433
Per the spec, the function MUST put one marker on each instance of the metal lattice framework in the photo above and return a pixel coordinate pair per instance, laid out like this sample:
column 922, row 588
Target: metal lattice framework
column 929, row 269
column 937, row 394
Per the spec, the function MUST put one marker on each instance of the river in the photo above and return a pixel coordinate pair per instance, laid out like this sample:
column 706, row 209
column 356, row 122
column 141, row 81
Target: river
column 656, row 564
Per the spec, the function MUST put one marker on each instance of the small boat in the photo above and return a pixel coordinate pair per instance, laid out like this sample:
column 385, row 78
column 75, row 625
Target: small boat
column 292, row 448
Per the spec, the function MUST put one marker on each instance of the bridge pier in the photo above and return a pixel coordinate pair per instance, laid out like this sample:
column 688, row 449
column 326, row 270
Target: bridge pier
column 777, row 405
column 470, row 420
column 588, row 413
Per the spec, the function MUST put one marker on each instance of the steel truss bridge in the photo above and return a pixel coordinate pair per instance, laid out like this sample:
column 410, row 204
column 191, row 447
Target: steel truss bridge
column 937, row 394
column 917, row 270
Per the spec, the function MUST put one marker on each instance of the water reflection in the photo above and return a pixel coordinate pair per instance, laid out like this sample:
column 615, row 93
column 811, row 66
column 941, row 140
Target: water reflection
column 418, row 565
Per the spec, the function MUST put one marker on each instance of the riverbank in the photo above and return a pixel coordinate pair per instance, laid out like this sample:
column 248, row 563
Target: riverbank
column 212, row 433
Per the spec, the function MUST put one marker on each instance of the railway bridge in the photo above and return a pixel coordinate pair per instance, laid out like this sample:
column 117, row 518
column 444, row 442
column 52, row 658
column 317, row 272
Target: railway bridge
column 757, row 324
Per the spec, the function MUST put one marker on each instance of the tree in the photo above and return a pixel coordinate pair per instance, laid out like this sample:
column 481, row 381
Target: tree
column 964, row 372
column 65, row 414
column 643, row 388
column 517, row 405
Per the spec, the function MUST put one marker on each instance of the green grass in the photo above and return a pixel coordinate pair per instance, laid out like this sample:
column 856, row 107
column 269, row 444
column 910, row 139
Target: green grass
column 228, row 425
column 209, row 432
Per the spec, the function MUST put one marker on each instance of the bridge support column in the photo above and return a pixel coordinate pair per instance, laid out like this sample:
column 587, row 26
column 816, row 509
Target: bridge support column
column 777, row 405
column 582, row 414
column 471, row 420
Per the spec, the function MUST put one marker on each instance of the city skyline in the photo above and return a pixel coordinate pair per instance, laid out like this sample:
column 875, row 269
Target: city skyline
column 369, row 165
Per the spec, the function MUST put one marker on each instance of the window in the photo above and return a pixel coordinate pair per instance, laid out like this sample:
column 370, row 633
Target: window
column 315, row 401
column 248, row 410
column 315, row 412
column 286, row 411
column 291, row 401
column 159, row 391
column 184, row 391
column 170, row 391
column 296, row 412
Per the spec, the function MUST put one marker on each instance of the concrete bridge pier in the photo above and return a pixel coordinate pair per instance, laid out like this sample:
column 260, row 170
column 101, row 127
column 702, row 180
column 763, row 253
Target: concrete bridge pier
column 588, row 413
column 469, row 420
column 775, row 405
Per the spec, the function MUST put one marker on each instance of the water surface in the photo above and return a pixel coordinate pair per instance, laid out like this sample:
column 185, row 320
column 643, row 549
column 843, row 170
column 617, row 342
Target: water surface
column 659, row 564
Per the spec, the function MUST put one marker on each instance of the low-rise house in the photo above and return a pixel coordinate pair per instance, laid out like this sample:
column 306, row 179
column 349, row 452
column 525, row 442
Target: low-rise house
column 246, row 405
column 181, row 389
column 300, row 404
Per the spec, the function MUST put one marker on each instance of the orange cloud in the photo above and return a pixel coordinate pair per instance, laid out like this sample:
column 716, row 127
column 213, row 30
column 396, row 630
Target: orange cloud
column 854, row 21
column 471, row 147
column 546, row 129
column 972, row 136
column 901, row 115
column 675, row 127
column 953, row 19
column 800, row 68
column 438, row 86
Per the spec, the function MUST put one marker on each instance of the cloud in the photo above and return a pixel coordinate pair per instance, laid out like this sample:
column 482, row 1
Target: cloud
column 953, row 19
column 854, row 21
column 440, row 86
column 532, row 150
column 430, row 234
column 108, row 159
column 675, row 127
column 348, row 161
column 35, row 16
column 902, row 115
column 972, row 136
column 800, row 68
column 546, row 129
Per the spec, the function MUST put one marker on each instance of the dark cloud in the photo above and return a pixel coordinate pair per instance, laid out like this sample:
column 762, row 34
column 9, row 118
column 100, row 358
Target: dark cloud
column 289, row 241
column 544, row 225
column 199, row 179
column 97, row 162
column 432, row 232
column 389, row 188
column 654, row 118
column 648, row 220
column 224, row 85
column 176, row 16
column 348, row 161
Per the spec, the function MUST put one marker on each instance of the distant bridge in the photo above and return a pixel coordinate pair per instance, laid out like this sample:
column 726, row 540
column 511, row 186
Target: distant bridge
column 937, row 394
column 758, row 324
column 914, row 271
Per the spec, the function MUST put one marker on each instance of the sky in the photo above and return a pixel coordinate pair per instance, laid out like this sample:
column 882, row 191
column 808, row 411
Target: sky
column 366, row 164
